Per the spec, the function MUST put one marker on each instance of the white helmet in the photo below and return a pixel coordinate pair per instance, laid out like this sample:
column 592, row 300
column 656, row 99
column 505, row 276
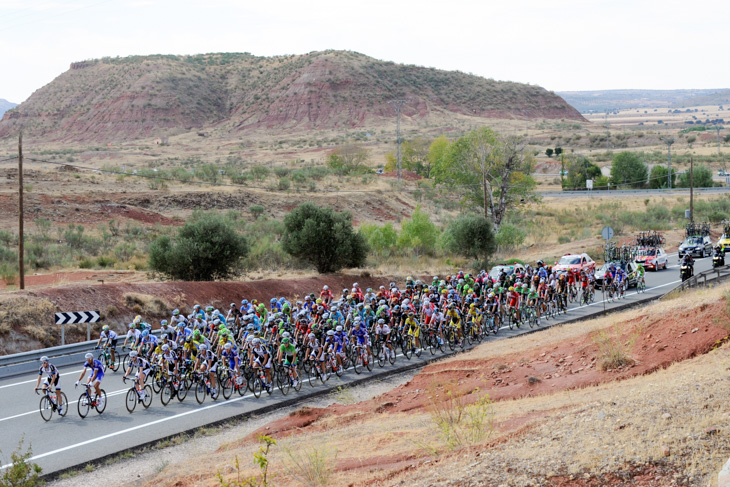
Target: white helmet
column 133, row 354
column 44, row 359
column 166, row 348
column 338, row 328
column 88, row 356
column 330, row 332
column 228, row 345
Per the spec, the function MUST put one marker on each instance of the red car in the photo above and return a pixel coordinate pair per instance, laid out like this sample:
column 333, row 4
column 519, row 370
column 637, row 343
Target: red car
column 576, row 262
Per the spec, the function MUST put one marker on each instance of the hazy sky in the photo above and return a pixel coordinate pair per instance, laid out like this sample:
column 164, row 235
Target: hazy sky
column 558, row 44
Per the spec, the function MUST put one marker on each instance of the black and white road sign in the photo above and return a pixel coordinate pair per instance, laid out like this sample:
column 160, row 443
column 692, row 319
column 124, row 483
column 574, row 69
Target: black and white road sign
column 77, row 317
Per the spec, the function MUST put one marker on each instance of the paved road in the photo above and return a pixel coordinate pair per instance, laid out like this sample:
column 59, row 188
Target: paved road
column 65, row 442
column 630, row 192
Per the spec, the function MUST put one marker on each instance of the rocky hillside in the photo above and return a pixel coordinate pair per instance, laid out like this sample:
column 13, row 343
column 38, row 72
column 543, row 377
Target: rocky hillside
column 146, row 96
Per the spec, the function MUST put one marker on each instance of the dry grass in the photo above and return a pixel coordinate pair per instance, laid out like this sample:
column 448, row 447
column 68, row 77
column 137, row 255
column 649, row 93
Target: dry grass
column 29, row 315
column 147, row 304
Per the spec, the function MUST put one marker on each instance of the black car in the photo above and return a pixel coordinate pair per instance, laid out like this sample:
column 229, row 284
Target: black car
column 697, row 246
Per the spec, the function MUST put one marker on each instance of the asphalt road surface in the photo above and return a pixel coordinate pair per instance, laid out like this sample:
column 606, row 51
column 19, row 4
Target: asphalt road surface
column 65, row 442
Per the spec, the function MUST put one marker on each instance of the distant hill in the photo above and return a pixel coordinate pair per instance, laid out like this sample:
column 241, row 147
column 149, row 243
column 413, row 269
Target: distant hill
column 600, row 101
column 143, row 96
column 5, row 105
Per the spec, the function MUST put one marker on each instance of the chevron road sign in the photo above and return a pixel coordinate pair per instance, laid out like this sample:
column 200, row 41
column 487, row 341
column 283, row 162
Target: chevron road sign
column 77, row 317
column 72, row 317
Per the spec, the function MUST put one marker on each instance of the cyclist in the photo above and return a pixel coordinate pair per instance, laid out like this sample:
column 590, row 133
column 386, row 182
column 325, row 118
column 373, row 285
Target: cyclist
column 97, row 374
column 207, row 363
column 414, row 330
column 382, row 332
column 287, row 357
column 143, row 369
column 52, row 376
column 640, row 273
column 110, row 338
column 260, row 358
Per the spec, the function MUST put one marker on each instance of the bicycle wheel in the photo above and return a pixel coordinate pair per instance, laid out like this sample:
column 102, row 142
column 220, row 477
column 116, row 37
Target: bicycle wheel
column 126, row 362
column 200, row 391
column 282, row 381
column 312, row 375
column 147, row 401
column 226, row 385
column 257, row 388
column 339, row 369
column 511, row 321
column 369, row 359
column 157, row 383
column 46, row 408
column 101, row 402
column 104, row 361
column 467, row 334
column 65, row 403
column 381, row 356
column 114, row 367
column 166, row 394
column 391, row 356
column 298, row 383
column 407, row 347
column 83, row 405
column 357, row 363
column 181, row 391
column 131, row 400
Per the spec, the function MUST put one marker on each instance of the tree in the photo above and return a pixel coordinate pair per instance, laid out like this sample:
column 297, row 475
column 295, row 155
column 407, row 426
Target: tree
column 658, row 177
column 558, row 151
column 380, row 238
column 579, row 170
column 549, row 152
column 702, row 178
column 348, row 158
column 471, row 236
column 205, row 249
column 437, row 152
column 414, row 157
column 418, row 233
column 628, row 169
column 490, row 170
column 323, row 238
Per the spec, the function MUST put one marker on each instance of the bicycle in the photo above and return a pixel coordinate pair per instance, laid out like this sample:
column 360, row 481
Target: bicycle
column 384, row 353
column 87, row 402
column 105, row 357
column 640, row 285
column 48, row 404
column 259, row 383
column 362, row 358
column 172, row 386
column 134, row 396
column 202, row 388
column 285, row 379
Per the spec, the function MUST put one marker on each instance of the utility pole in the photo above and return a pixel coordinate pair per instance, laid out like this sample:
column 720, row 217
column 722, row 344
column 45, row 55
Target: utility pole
column 691, row 191
column 397, row 105
column 21, row 267
column 669, row 141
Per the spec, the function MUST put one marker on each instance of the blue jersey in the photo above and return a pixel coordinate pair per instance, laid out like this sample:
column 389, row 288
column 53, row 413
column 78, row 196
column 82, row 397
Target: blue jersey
column 96, row 368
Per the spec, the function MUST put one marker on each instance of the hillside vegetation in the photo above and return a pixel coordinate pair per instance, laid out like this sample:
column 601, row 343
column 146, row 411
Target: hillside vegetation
column 146, row 96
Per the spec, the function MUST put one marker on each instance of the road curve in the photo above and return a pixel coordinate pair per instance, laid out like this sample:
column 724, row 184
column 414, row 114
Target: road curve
column 65, row 442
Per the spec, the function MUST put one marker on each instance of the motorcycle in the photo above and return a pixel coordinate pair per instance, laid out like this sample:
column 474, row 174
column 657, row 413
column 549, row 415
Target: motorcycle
column 718, row 261
column 685, row 272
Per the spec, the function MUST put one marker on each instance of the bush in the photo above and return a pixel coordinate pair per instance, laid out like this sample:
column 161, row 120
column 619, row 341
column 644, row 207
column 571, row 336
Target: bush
column 509, row 237
column 702, row 178
column 471, row 236
column 324, row 238
column 284, row 184
column 460, row 423
column 21, row 473
column 628, row 169
column 418, row 233
column 256, row 210
column 658, row 177
column 204, row 249
column 381, row 239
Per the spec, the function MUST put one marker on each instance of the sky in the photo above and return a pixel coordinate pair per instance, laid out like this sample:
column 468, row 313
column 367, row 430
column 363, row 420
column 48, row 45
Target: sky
column 561, row 45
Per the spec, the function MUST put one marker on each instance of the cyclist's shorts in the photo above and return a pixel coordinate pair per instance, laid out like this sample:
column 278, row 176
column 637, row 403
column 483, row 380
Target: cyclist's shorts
column 414, row 331
column 289, row 360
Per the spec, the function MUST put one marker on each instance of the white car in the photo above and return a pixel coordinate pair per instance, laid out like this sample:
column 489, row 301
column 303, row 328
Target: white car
column 652, row 258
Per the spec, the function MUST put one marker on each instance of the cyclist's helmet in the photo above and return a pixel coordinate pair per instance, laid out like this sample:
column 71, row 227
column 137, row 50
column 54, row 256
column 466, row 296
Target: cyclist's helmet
column 133, row 354
column 202, row 347
column 256, row 341
column 228, row 346
column 381, row 321
column 209, row 308
column 285, row 340
column 233, row 305
column 249, row 338
column 339, row 328
column 175, row 312
column 244, row 302
column 524, row 285
column 330, row 332
column 188, row 339
column 250, row 327
column 105, row 328
column 273, row 301
column 88, row 356
column 286, row 334
column 137, row 319
column 196, row 307
column 163, row 322
column 165, row 348
column 312, row 335
column 411, row 314
column 44, row 359
column 146, row 333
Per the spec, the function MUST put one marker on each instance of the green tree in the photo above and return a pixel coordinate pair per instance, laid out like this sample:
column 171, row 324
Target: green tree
column 702, row 178
column 628, row 169
column 658, row 177
column 205, row 249
column 414, row 157
column 579, row 170
column 323, row 238
column 471, row 236
column 437, row 152
column 418, row 234
column 509, row 237
column 380, row 238
column 349, row 158
column 558, row 151
column 549, row 152
column 491, row 171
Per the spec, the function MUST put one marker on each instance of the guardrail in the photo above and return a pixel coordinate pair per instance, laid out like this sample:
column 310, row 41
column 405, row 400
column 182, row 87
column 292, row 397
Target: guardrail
column 701, row 279
column 26, row 362
column 631, row 191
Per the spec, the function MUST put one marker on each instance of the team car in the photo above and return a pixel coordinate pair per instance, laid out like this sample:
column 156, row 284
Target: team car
column 698, row 245
column 652, row 258
column 509, row 269
column 575, row 262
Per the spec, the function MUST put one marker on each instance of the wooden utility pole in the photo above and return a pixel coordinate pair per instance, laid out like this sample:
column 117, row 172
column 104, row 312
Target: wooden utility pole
column 21, row 267
column 691, row 191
